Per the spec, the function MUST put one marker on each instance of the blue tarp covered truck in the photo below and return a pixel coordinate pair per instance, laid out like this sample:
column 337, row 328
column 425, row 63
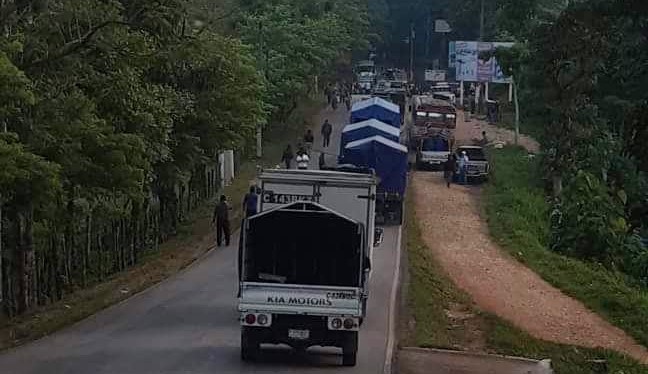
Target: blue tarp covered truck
column 376, row 108
column 367, row 129
column 389, row 161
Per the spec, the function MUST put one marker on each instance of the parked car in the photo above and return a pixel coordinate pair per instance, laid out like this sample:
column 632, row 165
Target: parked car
column 478, row 167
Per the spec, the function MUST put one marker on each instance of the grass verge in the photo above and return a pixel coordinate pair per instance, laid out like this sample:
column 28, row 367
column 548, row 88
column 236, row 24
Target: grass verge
column 518, row 218
column 441, row 316
column 194, row 239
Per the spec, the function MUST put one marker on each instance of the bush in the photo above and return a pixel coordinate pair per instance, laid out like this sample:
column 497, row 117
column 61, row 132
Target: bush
column 519, row 219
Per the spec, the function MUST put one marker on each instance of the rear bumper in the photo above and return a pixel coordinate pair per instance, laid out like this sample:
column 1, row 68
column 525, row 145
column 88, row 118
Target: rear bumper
column 318, row 333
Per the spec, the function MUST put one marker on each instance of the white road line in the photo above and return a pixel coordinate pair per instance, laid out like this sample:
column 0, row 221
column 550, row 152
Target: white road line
column 391, row 337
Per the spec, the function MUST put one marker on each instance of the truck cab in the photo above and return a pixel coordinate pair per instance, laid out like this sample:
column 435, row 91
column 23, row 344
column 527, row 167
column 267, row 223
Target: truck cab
column 433, row 152
column 366, row 75
column 432, row 117
column 478, row 167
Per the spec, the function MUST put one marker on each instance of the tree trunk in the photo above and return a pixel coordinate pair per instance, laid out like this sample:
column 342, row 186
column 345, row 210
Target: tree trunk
column 1, row 263
column 25, row 257
column 517, row 111
column 86, row 252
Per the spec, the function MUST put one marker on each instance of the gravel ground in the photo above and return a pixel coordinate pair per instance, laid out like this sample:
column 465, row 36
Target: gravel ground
column 467, row 131
column 453, row 230
column 434, row 361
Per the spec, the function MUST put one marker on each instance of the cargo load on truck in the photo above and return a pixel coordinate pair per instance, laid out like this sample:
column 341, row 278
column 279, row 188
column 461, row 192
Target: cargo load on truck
column 389, row 160
column 367, row 129
column 376, row 108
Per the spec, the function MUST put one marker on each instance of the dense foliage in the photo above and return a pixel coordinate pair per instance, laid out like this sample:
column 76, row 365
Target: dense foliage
column 584, row 67
column 114, row 112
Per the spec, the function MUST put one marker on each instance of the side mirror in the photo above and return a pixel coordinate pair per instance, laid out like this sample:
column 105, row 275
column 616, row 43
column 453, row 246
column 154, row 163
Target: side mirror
column 378, row 236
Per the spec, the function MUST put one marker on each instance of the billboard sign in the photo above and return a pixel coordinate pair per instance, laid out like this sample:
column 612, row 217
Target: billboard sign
column 471, row 67
column 435, row 75
column 466, row 61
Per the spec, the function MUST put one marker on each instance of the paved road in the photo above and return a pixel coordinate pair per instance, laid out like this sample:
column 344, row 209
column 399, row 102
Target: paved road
column 189, row 325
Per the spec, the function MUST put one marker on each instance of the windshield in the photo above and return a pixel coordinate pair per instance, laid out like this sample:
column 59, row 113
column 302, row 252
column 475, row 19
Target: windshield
column 436, row 144
column 474, row 154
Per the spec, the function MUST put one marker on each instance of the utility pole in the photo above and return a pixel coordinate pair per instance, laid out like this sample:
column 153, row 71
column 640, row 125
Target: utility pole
column 262, row 55
column 411, row 40
column 481, row 39
column 4, row 130
column 481, row 22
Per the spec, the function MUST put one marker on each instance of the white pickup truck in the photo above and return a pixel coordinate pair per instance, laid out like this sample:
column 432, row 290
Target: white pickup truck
column 304, row 261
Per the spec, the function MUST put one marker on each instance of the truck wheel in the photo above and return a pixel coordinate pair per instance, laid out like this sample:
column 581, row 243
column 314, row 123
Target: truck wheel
column 350, row 349
column 249, row 345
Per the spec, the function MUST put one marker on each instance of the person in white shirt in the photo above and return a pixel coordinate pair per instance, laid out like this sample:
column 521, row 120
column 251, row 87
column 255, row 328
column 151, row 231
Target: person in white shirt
column 462, row 164
column 302, row 159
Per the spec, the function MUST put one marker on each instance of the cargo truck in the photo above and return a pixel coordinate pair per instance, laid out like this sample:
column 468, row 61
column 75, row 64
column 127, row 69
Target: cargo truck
column 305, row 261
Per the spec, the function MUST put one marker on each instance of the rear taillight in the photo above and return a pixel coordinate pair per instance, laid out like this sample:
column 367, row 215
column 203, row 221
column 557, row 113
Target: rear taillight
column 262, row 319
column 256, row 319
column 343, row 324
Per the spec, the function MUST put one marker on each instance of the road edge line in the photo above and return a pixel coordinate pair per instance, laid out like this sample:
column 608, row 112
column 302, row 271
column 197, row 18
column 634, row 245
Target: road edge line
column 391, row 339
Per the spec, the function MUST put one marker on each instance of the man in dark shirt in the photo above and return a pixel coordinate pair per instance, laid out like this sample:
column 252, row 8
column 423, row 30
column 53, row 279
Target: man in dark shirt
column 250, row 202
column 327, row 130
column 449, row 169
column 221, row 217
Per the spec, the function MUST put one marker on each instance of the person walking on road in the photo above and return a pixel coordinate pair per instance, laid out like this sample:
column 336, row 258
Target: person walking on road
column 484, row 142
column 288, row 156
column 250, row 202
column 221, row 218
column 449, row 169
column 327, row 130
column 334, row 99
column 322, row 161
column 463, row 165
column 302, row 159
column 309, row 139
column 328, row 91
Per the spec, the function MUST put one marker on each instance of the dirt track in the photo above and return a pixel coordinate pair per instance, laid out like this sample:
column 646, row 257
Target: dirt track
column 452, row 228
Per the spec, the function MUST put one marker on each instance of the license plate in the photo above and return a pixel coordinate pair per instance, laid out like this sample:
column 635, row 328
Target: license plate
column 298, row 334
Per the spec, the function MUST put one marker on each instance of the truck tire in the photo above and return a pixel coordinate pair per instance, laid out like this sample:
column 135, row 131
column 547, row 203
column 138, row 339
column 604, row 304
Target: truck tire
column 350, row 349
column 249, row 344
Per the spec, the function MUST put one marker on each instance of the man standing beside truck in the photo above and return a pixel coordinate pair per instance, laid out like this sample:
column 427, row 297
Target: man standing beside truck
column 221, row 218
column 250, row 202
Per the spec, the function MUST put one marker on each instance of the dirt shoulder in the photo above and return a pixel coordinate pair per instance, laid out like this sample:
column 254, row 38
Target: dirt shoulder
column 459, row 240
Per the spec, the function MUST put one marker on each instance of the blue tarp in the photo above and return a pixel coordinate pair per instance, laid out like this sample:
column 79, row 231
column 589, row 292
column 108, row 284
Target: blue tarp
column 367, row 129
column 386, row 157
column 376, row 108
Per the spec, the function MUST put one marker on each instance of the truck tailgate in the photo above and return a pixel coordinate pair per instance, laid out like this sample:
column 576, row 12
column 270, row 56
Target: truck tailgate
column 300, row 299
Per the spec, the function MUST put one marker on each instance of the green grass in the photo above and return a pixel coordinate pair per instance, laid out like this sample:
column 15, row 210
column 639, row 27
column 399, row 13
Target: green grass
column 430, row 293
column 518, row 218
